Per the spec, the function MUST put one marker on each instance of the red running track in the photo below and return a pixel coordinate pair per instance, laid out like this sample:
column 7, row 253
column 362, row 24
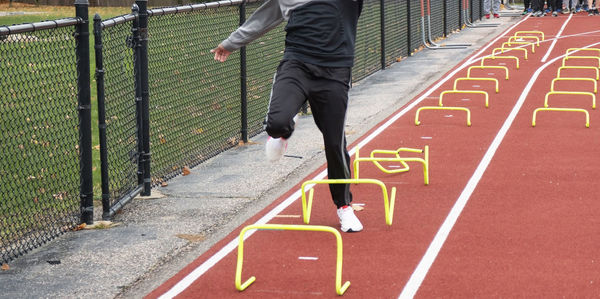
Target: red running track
column 510, row 210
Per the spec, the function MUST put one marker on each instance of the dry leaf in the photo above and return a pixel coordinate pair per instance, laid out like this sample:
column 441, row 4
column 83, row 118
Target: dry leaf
column 186, row 170
column 164, row 184
column 80, row 227
column 191, row 238
column 5, row 267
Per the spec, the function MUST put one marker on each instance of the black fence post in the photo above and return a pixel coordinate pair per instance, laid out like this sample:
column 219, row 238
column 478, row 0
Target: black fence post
column 243, row 81
column 135, row 43
column 142, row 52
column 85, row 113
column 408, row 29
column 382, row 23
column 445, row 10
column 101, row 117
column 471, row 10
column 460, row 14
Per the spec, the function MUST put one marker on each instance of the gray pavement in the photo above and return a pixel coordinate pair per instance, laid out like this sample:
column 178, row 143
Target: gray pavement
column 157, row 236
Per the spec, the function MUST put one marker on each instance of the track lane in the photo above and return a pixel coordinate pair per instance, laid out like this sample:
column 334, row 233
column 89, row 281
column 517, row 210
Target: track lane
column 379, row 260
column 530, row 228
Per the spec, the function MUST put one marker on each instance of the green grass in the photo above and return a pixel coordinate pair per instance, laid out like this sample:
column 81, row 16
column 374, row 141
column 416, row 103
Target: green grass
column 23, row 13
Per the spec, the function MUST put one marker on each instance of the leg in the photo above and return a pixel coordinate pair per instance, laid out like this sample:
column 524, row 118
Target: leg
column 487, row 6
column 496, row 7
column 287, row 96
column 328, row 101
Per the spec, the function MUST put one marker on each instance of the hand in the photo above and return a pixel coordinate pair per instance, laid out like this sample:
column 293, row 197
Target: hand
column 220, row 53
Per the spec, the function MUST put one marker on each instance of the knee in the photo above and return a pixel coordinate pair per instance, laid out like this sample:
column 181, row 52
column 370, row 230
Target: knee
column 278, row 128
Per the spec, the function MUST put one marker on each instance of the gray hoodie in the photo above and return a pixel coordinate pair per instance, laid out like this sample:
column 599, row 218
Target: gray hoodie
column 320, row 32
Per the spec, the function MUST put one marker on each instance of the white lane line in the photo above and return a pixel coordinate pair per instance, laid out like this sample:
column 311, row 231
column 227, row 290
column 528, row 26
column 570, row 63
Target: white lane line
column 200, row 270
column 416, row 279
column 556, row 38
column 308, row 258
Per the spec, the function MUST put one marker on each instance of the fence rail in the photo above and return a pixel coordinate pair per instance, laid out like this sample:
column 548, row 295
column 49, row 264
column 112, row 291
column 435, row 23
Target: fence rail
column 163, row 102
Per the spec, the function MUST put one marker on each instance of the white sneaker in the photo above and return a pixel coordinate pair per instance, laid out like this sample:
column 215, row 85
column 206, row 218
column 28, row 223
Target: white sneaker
column 348, row 220
column 274, row 148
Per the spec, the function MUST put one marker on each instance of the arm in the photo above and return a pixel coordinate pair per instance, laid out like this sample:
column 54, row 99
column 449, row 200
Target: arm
column 265, row 18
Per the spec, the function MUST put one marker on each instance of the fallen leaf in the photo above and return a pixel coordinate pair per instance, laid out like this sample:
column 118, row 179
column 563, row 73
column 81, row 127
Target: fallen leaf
column 164, row 184
column 186, row 170
column 191, row 238
column 5, row 267
column 80, row 227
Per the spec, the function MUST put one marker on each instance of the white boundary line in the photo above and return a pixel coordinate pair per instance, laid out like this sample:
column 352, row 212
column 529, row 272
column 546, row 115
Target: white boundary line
column 413, row 284
column 200, row 270
column 556, row 38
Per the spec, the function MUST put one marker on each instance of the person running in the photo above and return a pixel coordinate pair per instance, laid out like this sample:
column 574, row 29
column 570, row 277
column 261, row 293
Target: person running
column 316, row 67
column 491, row 6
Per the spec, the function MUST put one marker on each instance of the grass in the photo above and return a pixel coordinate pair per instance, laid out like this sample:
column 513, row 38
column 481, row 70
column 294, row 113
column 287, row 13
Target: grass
column 19, row 13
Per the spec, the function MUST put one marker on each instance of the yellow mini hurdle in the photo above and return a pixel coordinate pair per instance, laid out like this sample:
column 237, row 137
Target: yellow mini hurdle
column 521, row 33
column 339, row 288
column 587, row 115
column 441, row 104
column 487, row 67
column 509, row 44
column 476, row 79
column 502, row 49
column 388, row 204
column 500, row 57
column 520, row 38
column 571, row 50
column 424, row 161
column 583, row 93
column 417, row 122
column 579, row 68
column 564, row 61
column 594, row 82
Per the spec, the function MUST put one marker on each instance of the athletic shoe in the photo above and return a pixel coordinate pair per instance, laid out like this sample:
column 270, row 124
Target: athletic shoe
column 487, row 15
column 565, row 11
column 525, row 11
column 349, row 222
column 274, row 148
column 555, row 14
column 496, row 15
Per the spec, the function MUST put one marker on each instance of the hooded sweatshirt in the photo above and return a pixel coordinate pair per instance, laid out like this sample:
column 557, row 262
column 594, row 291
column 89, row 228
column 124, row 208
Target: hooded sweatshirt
column 319, row 32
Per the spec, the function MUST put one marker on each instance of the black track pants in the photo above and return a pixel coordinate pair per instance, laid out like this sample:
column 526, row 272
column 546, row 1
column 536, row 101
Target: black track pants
column 326, row 90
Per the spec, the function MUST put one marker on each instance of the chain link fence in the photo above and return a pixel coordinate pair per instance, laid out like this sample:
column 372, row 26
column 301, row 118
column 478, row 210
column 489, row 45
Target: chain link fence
column 41, row 175
column 164, row 104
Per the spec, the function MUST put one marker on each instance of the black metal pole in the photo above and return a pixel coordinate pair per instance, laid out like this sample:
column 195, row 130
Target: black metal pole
column 243, row 81
column 460, row 14
column 408, row 29
column 382, row 22
column 101, row 118
column 138, row 92
column 471, row 10
column 445, row 18
column 85, row 112
column 145, row 158
column 480, row 9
